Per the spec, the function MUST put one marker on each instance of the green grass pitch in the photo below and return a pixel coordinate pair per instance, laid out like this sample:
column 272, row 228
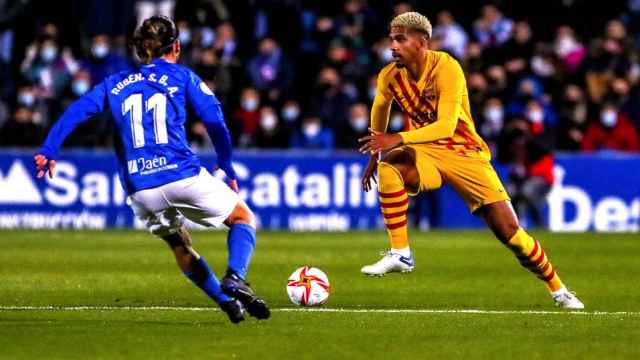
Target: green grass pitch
column 138, row 305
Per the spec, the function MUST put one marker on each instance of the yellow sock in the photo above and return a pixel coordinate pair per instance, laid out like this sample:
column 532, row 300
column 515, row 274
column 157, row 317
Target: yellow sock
column 394, row 203
column 531, row 255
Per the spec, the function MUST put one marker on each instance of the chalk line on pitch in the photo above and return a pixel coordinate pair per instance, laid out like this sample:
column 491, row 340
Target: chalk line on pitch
column 325, row 310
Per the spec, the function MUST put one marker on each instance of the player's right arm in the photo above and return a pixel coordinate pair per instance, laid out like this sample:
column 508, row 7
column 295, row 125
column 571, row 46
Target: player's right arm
column 78, row 112
column 380, row 111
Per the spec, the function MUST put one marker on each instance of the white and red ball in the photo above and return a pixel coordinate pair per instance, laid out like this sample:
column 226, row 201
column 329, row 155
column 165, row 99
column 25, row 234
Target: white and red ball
column 308, row 286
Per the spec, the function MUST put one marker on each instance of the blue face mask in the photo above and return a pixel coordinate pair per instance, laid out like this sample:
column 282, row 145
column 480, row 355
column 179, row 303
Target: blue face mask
column 80, row 87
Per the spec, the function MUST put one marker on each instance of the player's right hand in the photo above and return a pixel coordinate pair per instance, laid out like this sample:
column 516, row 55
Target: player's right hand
column 44, row 165
column 370, row 173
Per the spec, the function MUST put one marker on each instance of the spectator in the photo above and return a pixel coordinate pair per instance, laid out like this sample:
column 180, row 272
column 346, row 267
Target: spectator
column 313, row 135
column 492, row 28
column 518, row 50
column 568, row 49
column 573, row 118
column 530, row 170
column 21, row 130
column 290, row 115
column 245, row 119
column 355, row 128
column 613, row 131
column 270, row 133
column 492, row 122
column 331, row 101
column 103, row 62
column 47, row 67
column 270, row 71
column 454, row 38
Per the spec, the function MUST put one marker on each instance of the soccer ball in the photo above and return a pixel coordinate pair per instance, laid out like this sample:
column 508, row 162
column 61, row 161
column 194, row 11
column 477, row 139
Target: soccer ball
column 308, row 286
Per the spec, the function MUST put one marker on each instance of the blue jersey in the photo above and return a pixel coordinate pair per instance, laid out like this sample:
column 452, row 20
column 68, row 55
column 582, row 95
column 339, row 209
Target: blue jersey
column 148, row 109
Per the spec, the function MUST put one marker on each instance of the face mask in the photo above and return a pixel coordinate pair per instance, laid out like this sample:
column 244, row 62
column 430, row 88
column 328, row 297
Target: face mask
column 535, row 116
column 185, row 36
column 208, row 37
column 494, row 114
column 26, row 99
column 565, row 45
column 250, row 104
column 396, row 123
column 311, row 130
column 80, row 87
column 268, row 122
column 385, row 55
column 290, row 113
column 372, row 92
column 609, row 118
column 359, row 124
column 49, row 53
column 100, row 51
column 542, row 67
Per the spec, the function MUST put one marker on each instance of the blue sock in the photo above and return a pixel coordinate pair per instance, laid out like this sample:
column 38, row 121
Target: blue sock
column 205, row 279
column 241, row 241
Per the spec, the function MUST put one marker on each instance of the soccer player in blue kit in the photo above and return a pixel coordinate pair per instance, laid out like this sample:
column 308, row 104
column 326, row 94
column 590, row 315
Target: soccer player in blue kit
column 162, row 176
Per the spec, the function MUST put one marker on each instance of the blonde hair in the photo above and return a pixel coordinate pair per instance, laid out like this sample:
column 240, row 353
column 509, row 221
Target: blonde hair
column 413, row 21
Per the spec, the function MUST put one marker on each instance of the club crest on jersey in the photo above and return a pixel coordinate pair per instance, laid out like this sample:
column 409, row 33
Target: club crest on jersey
column 205, row 89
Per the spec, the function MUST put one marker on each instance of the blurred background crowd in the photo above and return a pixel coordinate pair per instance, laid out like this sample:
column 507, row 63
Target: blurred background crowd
column 542, row 76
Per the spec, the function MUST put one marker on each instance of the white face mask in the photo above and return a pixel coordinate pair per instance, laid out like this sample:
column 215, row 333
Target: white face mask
column 207, row 37
column 268, row 122
column 185, row 36
column 494, row 114
column 100, row 51
column 290, row 113
column 250, row 104
column 26, row 98
column 609, row 118
column 311, row 130
column 535, row 116
column 80, row 87
column 396, row 123
column 49, row 53
column 542, row 67
column 359, row 124
column 565, row 45
column 385, row 55
column 372, row 92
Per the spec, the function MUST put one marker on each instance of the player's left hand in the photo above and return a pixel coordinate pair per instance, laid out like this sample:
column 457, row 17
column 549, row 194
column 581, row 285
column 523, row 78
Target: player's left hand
column 233, row 183
column 378, row 141
column 44, row 165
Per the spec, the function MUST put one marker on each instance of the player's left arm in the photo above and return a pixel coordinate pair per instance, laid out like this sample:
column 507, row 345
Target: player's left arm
column 78, row 112
column 209, row 110
column 450, row 83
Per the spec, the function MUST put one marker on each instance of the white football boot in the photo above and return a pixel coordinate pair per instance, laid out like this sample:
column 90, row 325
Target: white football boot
column 567, row 300
column 390, row 262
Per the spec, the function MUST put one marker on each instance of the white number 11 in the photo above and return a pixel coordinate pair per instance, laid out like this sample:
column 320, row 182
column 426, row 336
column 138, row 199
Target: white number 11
column 156, row 103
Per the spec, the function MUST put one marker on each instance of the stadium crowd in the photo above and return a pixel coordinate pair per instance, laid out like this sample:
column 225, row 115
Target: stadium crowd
column 301, row 74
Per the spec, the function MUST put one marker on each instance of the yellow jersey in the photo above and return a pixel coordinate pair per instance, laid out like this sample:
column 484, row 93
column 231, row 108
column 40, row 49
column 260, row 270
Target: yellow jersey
column 436, row 107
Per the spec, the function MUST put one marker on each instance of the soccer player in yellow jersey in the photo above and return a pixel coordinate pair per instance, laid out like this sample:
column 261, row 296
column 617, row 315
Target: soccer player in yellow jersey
column 439, row 144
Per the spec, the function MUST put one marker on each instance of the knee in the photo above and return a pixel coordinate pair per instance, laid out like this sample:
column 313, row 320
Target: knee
column 242, row 214
column 508, row 229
